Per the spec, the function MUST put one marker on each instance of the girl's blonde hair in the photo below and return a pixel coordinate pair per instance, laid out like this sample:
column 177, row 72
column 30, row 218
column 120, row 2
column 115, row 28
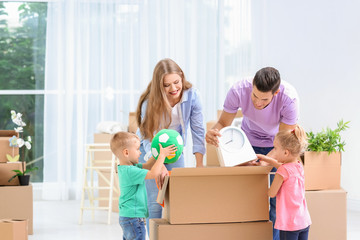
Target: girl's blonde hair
column 293, row 140
column 158, row 111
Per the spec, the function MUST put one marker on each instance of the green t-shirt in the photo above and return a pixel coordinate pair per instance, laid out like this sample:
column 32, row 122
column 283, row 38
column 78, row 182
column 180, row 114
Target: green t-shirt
column 133, row 199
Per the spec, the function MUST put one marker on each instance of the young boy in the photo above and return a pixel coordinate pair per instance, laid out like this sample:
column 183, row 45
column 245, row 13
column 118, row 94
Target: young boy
column 133, row 198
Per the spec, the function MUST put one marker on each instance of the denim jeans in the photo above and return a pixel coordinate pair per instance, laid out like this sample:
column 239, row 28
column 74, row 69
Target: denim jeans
column 272, row 213
column 155, row 210
column 133, row 228
column 295, row 235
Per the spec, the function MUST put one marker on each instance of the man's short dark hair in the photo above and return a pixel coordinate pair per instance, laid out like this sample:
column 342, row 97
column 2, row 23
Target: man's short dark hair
column 267, row 79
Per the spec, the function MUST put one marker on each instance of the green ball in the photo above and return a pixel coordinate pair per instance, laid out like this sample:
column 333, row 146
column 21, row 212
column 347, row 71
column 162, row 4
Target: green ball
column 167, row 137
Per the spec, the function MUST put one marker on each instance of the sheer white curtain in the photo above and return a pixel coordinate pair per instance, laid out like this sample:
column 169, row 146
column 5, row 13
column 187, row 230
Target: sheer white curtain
column 100, row 57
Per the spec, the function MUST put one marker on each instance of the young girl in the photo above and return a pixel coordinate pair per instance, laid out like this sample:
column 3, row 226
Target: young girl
column 292, row 217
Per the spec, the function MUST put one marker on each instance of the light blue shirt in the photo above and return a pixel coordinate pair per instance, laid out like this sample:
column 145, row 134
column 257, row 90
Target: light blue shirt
column 191, row 111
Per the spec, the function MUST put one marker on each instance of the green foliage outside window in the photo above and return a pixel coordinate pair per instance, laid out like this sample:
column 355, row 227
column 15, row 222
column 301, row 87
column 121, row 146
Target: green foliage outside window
column 22, row 67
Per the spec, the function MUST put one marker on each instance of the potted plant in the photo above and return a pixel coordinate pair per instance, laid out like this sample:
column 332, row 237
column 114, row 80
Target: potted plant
column 322, row 160
column 19, row 142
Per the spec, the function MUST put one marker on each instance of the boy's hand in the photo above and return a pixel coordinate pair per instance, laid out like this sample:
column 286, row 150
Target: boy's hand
column 168, row 151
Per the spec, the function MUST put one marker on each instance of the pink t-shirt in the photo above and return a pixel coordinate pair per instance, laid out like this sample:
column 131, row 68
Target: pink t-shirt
column 291, row 210
column 261, row 126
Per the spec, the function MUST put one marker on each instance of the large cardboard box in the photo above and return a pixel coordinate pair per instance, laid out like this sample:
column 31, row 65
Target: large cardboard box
column 327, row 210
column 6, row 173
column 5, row 148
column 16, row 202
column 13, row 229
column 160, row 229
column 217, row 195
column 322, row 171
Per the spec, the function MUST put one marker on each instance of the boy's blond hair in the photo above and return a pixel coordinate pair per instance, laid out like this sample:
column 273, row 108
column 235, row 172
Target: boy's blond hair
column 121, row 141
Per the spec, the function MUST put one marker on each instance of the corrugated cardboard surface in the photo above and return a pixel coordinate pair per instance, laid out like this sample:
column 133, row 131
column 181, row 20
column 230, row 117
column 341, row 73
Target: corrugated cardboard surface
column 16, row 202
column 211, row 155
column 160, row 229
column 322, row 171
column 216, row 195
column 327, row 210
column 13, row 229
column 5, row 148
column 105, row 157
column 6, row 173
column 132, row 122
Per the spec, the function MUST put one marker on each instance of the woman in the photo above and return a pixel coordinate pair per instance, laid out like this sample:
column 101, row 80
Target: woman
column 169, row 102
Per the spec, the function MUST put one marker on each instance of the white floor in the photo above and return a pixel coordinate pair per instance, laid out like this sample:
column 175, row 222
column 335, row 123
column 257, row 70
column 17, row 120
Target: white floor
column 55, row 220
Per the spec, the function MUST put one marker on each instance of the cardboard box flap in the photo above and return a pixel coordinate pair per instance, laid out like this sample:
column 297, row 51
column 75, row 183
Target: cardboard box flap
column 8, row 133
column 220, row 171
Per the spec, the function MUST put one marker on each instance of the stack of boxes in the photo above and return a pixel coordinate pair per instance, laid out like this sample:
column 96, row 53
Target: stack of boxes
column 98, row 156
column 215, row 203
column 325, row 198
column 16, row 201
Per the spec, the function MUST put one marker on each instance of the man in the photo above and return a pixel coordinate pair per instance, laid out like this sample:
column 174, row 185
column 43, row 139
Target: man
column 268, row 106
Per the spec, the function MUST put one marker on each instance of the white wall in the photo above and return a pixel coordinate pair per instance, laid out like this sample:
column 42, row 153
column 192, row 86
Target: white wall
column 316, row 47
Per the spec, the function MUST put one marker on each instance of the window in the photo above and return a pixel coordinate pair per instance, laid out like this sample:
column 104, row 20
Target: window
column 22, row 64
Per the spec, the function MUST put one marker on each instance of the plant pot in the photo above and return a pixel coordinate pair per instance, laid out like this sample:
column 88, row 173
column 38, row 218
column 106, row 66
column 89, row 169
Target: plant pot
column 24, row 180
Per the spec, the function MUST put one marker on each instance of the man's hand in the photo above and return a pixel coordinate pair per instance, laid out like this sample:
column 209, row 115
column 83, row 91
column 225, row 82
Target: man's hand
column 212, row 137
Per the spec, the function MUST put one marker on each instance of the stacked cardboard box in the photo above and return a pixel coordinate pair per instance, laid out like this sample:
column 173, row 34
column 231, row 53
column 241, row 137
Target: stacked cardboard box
column 13, row 229
column 324, row 195
column 98, row 156
column 16, row 202
column 210, row 203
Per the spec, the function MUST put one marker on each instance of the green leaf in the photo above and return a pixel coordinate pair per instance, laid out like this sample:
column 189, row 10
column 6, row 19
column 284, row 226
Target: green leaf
column 328, row 139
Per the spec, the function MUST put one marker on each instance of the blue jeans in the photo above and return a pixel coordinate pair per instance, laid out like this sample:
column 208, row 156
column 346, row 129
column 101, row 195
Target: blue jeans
column 133, row 228
column 155, row 210
column 295, row 235
column 272, row 213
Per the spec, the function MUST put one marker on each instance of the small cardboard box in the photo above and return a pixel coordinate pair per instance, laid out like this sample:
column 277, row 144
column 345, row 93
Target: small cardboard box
column 217, row 195
column 16, row 202
column 6, row 173
column 322, row 171
column 13, row 229
column 327, row 210
column 5, row 148
column 132, row 122
column 160, row 229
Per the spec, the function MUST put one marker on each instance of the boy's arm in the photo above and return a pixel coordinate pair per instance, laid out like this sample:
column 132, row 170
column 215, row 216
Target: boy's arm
column 275, row 186
column 155, row 168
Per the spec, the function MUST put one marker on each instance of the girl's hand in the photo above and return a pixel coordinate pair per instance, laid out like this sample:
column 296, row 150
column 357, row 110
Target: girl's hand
column 266, row 159
column 168, row 151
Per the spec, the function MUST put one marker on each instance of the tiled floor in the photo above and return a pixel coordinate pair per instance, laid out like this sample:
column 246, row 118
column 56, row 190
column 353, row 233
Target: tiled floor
column 55, row 220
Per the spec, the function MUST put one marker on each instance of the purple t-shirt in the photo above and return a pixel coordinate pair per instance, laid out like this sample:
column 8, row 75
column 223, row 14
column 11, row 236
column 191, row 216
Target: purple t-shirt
column 261, row 126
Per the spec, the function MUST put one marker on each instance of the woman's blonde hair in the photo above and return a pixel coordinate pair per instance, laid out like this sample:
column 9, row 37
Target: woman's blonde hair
column 158, row 111
column 293, row 140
